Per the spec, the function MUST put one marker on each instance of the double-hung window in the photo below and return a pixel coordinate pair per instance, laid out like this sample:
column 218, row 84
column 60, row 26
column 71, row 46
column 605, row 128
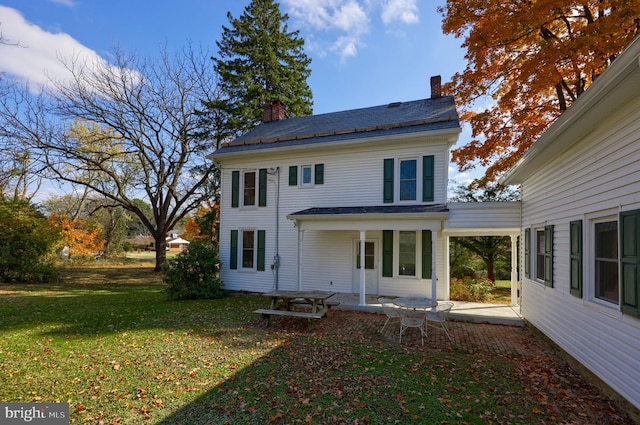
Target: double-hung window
column 247, row 250
column 606, row 261
column 404, row 253
column 611, row 255
column 249, row 188
column 407, row 253
column 408, row 180
column 543, row 254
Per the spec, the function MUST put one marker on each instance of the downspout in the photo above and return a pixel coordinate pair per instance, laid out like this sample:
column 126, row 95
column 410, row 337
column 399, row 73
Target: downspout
column 275, row 266
column 276, row 259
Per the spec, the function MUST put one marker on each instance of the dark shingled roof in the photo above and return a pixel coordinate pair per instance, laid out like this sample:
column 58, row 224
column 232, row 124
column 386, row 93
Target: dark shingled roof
column 386, row 120
column 381, row 209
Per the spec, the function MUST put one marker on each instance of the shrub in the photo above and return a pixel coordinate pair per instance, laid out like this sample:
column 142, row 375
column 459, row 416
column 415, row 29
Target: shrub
column 471, row 289
column 460, row 271
column 26, row 243
column 194, row 273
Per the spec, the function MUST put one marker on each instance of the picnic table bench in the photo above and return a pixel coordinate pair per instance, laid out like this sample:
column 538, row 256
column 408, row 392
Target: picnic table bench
column 282, row 301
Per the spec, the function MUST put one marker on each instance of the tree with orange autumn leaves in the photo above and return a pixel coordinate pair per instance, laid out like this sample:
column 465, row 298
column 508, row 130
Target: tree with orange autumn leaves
column 81, row 240
column 532, row 60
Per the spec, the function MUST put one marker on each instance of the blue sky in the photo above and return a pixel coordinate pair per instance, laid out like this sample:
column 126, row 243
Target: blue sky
column 364, row 52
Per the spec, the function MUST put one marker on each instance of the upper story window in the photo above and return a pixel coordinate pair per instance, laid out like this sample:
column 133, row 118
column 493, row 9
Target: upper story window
column 249, row 189
column 409, row 180
column 306, row 178
column 306, row 175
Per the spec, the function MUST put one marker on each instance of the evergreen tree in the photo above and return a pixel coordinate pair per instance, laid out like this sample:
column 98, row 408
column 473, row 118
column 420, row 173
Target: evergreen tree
column 260, row 61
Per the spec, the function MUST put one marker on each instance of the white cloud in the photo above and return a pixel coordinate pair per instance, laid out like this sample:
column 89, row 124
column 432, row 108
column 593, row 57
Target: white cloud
column 40, row 54
column 69, row 3
column 404, row 11
column 348, row 21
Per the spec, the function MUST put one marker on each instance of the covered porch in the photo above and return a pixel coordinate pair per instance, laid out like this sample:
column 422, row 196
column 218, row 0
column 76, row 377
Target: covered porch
column 433, row 226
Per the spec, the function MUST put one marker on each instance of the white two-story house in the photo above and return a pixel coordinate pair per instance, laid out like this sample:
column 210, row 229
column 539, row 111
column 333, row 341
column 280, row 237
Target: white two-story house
column 352, row 201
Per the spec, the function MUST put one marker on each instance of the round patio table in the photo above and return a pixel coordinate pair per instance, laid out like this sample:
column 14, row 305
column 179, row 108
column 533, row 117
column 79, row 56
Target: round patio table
column 415, row 302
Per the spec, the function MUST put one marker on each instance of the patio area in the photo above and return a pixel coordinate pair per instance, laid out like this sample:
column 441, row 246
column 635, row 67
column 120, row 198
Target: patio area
column 496, row 314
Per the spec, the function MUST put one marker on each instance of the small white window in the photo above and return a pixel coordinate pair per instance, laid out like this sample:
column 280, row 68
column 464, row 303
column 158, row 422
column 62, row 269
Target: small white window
column 306, row 175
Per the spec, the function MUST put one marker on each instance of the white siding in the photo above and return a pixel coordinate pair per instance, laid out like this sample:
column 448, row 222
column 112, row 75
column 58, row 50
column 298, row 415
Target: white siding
column 599, row 176
column 484, row 215
column 352, row 177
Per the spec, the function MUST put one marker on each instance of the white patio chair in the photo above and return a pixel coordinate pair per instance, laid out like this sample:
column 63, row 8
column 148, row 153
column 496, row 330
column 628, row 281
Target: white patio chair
column 439, row 315
column 410, row 318
column 390, row 309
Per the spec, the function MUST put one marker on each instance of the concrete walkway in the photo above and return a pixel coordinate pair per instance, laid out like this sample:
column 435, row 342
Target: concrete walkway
column 498, row 314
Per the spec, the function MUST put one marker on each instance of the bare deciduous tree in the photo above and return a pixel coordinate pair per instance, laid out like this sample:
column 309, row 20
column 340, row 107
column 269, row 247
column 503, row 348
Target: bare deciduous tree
column 151, row 146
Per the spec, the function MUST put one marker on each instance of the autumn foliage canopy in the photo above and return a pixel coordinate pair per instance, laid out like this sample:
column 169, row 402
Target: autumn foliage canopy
column 530, row 60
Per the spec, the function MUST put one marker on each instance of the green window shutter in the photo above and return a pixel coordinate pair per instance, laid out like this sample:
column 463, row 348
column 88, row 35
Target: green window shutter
column 233, row 254
column 527, row 253
column 428, row 178
column 293, row 175
column 575, row 248
column 548, row 256
column 319, row 174
column 261, row 250
column 630, row 262
column 426, row 254
column 388, row 181
column 387, row 253
column 235, row 189
column 262, row 187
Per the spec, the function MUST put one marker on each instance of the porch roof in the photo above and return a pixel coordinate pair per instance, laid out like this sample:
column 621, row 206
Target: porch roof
column 437, row 209
column 372, row 217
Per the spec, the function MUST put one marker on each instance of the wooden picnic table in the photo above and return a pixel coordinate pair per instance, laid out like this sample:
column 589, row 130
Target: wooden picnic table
column 283, row 301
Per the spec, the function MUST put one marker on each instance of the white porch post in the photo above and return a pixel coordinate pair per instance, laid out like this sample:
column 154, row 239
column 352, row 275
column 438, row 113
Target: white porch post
column 362, row 268
column 514, row 270
column 434, row 279
column 300, row 257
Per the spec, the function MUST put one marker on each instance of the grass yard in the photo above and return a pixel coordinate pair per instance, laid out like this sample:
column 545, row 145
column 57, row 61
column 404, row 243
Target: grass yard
column 106, row 341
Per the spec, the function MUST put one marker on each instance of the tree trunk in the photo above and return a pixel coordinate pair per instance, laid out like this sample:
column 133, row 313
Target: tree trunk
column 161, row 252
column 491, row 273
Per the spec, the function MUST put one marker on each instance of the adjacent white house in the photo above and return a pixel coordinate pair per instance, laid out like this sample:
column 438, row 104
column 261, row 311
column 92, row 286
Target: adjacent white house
column 581, row 227
column 352, row 201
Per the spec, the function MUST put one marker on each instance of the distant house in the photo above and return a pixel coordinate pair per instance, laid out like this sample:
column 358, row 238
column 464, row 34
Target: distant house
column 177, row 244
column 580, row 257
column 352, row 201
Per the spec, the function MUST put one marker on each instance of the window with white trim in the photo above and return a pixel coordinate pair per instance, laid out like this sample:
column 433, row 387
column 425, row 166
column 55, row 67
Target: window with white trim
column 408, row 181
column 248, row 249
column 606, row 261
column 539, row 254
column 249, row 188
column 306, row 175
column 407, row 253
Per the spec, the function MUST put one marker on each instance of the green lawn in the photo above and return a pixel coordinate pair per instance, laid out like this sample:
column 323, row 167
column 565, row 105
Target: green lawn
column 107, row 341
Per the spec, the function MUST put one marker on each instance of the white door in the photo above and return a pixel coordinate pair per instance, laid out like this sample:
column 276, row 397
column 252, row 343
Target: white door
column 370, row 266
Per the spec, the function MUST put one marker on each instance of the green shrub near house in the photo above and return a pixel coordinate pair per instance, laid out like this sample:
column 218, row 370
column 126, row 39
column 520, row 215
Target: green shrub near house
column 195, row 273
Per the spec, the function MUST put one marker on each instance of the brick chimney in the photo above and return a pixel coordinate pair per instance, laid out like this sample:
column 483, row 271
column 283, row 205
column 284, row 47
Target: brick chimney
column 273, row 111
column 436, row 86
